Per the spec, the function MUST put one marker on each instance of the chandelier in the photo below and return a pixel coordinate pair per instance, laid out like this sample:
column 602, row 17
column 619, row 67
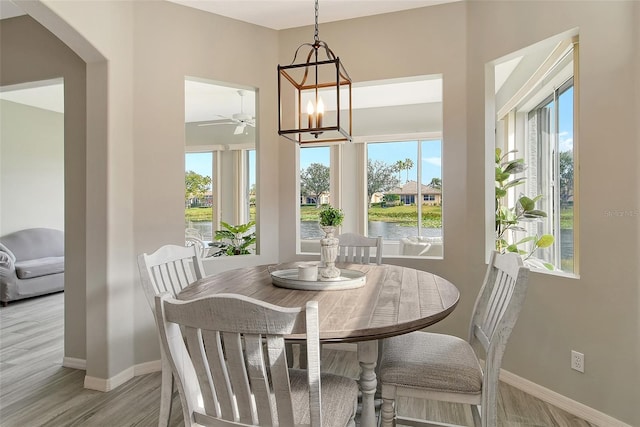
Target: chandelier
column 314, row 97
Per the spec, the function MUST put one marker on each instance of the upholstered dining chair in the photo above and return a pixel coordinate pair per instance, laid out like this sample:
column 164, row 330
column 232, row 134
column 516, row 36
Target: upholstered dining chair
column 231, row 366
column 447, row 368
column 169, row 269
column 358, row 249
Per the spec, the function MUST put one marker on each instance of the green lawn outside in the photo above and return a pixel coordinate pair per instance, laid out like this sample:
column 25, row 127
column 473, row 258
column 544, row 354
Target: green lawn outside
column 406, row 215
column 206, row 214
column 431, row 215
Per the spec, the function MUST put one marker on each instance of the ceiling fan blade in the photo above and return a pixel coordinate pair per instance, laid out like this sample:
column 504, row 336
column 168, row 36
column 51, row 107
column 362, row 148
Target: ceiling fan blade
column 217, row 123
column 239, row 129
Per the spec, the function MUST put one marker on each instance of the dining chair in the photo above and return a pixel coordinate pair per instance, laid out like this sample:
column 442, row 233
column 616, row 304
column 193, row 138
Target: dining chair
column 357, row 249
column 199, row 244
column 169, row 269
column 352, row 248
column 447, row 368
column 231, row 366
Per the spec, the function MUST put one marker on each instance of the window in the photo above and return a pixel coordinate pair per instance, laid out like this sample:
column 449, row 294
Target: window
column 551, row 167
column 400, row 126
column 315, row 186
column 220, row 157
column 396, row 180
column 199, row 197
column 536, row 126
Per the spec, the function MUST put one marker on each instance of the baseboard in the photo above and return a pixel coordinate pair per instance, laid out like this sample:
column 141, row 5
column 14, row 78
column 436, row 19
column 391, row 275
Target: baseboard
column 556, row 399
column 147, row 368
column 74, row 363
column 108, row 384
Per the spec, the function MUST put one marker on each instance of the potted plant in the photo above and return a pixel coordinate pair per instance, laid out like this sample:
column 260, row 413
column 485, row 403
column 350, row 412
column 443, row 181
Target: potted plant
column 508, row 219
column 240, row 238
column 330, row 218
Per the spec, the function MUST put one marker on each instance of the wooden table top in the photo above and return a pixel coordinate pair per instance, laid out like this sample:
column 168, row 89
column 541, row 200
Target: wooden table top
column 395, row 300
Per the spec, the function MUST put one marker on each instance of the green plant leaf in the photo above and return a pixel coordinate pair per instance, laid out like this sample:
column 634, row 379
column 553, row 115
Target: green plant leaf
column 545, row 241
column 526, row 203
column 501, row 175
column 536, row 213
column 513, row 183
column 514, row 166
column 525, row 240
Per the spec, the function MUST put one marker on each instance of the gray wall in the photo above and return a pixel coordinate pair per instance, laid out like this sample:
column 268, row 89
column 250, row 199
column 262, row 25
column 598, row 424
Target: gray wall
column 31, row 53
column 135, row 114
column 31, row 168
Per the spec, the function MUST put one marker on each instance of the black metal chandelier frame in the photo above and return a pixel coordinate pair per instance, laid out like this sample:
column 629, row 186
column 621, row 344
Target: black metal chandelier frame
column 316, row 129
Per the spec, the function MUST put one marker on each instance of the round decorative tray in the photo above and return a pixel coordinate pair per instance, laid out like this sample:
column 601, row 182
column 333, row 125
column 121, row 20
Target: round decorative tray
column 349, row 279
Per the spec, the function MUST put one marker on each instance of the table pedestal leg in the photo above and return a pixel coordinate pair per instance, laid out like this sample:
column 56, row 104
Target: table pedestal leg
column 368, row 356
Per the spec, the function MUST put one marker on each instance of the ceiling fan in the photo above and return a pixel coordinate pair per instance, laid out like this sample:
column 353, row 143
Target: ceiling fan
column 241, row 119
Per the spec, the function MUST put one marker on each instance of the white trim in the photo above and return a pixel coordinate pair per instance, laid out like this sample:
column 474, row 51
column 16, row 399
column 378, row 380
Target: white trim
column 556, row 399
column 108, row 384
column 543, row 70
column 147, row 368
column 74, row 363
column 397, row 137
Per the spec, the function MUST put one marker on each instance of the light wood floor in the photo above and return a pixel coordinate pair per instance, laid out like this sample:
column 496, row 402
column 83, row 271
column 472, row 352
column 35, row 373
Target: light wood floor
column 35, row 390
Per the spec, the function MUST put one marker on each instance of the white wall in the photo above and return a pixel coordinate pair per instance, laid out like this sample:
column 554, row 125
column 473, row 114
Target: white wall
column 31, row 168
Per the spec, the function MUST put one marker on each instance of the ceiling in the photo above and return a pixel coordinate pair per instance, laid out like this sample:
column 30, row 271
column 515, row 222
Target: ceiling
column 207, row 101
column 281, row 14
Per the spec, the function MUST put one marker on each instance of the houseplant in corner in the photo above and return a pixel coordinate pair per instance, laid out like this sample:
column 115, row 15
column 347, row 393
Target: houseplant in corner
column 330, row 218
column 508, row 219
column 239, row 239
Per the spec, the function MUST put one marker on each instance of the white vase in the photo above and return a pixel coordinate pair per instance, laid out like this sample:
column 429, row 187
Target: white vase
column 329, row 253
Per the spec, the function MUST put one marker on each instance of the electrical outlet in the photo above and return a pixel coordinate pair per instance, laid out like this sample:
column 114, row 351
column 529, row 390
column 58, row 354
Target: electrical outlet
column 577, row 361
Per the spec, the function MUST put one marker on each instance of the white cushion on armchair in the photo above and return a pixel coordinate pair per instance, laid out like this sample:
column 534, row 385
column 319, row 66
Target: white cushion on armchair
column 414, row 246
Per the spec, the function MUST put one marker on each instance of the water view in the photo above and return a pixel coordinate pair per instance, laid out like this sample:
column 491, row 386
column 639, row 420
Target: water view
column 388, row 230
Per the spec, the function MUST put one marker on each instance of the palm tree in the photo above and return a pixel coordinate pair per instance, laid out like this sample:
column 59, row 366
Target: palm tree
column 399, row 166
column 407, row 165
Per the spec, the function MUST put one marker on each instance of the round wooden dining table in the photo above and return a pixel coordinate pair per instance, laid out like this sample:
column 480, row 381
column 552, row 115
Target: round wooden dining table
column 394, row 300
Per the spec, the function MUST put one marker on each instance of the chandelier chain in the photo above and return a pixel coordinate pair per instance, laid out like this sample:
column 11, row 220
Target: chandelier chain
column 315, row 34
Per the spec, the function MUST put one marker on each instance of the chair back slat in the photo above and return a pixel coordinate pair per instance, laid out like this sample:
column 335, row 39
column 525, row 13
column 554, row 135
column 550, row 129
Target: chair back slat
column 171, row 268
column 238, row 377
column 356, row 249
column 499, row 300
column 235, row 347
column 219, row 375
column 257, row 371
column 276, row 353
column 201, row 366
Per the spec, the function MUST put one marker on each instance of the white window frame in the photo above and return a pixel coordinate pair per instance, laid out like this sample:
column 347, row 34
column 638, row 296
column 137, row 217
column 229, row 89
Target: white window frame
column 512, row 133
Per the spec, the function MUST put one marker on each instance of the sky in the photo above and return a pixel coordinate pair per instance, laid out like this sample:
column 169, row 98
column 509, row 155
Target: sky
column 202, row 163
column 565, row 120
column 390, row 153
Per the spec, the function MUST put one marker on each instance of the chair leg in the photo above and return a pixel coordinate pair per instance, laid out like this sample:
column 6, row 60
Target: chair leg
column 288, row 349
column 475, row 412
column 302, row 356
column 166, row 392
column 388, row 410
